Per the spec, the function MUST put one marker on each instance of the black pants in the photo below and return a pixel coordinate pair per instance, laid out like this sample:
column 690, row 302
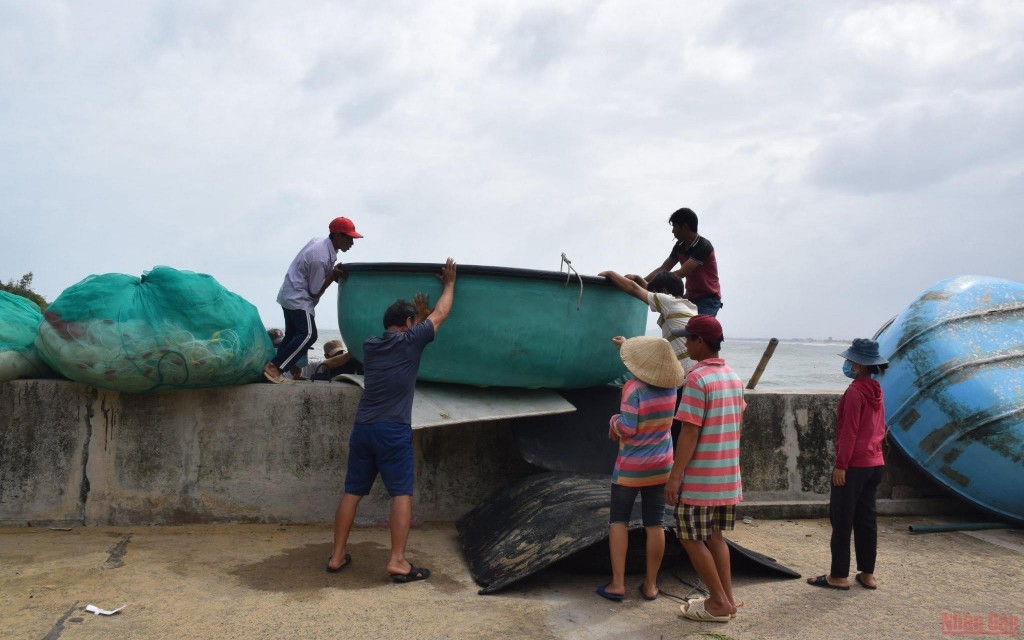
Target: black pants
column 852, row 509
column 676, row 425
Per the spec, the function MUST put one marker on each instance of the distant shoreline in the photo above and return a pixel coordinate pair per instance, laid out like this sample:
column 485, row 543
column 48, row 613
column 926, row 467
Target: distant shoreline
column 657, row 332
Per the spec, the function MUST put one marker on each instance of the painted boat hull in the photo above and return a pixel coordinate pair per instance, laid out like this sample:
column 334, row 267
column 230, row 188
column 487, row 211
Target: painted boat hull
column 507, row 328
column 954, row 391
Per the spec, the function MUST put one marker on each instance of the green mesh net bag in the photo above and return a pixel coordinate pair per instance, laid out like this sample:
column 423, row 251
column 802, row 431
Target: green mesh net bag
column 19, row 319
column 169, row 329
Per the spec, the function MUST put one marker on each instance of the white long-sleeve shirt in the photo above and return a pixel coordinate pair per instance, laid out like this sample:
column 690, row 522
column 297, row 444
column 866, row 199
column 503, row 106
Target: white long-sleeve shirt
column 306, row 275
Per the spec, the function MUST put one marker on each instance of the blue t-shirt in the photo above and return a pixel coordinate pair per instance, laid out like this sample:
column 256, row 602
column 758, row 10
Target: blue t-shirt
column 390, row 364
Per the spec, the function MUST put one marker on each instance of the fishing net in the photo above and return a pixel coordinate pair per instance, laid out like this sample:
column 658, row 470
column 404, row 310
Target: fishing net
column 169, row 329
column 19, row 319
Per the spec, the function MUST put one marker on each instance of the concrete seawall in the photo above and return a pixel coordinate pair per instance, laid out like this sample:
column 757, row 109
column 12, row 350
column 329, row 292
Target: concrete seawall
column 71, row 453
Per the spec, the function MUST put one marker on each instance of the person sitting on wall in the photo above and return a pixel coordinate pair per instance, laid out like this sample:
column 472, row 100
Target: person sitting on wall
column 337, row 360
column 381, row 438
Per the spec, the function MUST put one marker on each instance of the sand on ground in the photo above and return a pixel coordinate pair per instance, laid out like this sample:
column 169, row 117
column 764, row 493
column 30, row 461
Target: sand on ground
column 268, row 581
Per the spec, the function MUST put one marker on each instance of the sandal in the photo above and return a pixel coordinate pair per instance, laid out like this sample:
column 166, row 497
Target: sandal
column 822, row 581
column 275, row 379
column 739, row 605
column 347, row 561
column 864, row 584
column 695, row 611
column 415, row 573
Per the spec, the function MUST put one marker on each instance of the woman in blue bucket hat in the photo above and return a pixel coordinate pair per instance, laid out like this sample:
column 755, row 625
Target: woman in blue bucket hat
column 860, row 429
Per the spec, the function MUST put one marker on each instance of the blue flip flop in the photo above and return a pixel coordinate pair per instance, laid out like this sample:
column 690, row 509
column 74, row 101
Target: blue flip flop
column 646, row 597
column 611, row 596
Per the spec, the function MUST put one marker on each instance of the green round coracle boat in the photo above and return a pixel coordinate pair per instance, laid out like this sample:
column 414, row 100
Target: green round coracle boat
column 508, row 327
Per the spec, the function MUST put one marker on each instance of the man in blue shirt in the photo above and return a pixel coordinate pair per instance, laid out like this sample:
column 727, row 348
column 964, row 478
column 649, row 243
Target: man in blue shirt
column 381, row 440
column 309, row 275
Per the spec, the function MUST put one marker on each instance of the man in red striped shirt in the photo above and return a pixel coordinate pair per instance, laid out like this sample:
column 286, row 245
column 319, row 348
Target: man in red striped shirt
column 705, row 484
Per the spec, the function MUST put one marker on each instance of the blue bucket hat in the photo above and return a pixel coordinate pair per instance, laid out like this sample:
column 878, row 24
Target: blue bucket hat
column 864, row 352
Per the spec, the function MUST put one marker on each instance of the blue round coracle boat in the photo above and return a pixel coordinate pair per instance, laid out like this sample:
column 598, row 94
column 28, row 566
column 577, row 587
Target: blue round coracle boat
column 508, row 327
column 954, row 391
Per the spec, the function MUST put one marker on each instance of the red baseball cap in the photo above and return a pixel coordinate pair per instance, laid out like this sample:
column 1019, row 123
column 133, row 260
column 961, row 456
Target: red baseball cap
column 706, row 327
column 344, row 225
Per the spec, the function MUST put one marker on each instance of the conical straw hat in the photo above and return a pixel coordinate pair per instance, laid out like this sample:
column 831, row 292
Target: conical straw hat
column 652, row 360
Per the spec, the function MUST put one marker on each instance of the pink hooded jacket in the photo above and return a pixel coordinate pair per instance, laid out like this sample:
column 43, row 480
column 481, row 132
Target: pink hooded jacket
column 860, row 425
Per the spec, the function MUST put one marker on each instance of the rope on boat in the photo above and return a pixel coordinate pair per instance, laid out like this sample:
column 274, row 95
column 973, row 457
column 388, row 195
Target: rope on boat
column 569, row 270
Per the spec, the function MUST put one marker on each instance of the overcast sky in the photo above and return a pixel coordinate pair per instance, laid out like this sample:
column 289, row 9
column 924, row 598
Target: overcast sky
column 842, row 156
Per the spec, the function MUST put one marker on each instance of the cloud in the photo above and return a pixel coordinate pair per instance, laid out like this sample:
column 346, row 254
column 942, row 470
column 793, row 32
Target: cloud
column 918, row 146
column 929, row 37
column 220, row 138
column 537, row 40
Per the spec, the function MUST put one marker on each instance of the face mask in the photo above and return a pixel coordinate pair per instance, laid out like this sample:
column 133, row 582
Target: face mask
column 848, row 369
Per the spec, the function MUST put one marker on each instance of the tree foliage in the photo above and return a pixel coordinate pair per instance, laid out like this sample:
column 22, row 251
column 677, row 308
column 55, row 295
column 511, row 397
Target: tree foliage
column 23, row 288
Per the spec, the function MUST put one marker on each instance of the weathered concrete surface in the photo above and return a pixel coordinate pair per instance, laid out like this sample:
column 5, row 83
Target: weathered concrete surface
column 272, row 453
column 787, row 451
column 267, row 581
column 44, row 446
column 255, row 453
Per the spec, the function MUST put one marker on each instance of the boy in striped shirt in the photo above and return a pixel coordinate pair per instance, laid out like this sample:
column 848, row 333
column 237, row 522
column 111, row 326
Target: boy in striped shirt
column 704, row 484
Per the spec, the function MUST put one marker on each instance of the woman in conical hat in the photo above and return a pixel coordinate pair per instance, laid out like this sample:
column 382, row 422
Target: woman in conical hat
column 643, row 431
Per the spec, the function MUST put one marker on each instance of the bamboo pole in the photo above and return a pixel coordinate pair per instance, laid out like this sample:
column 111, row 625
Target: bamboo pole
column 769, row 350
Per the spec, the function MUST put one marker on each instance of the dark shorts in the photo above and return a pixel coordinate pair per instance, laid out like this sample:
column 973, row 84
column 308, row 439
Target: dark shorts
column 698, row 523
column 381, row 447
column 652, row 504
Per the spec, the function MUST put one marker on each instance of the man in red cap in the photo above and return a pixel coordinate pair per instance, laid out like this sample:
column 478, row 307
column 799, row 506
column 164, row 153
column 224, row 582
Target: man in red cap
column 308, row 277
column 704, row 484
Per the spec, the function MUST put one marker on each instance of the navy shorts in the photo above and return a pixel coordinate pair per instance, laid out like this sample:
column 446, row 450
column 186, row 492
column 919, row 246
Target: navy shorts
column 381, row 447
column 652, row 504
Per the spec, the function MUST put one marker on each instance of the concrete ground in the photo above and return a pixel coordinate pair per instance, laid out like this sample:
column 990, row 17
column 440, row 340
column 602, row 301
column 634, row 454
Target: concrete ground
column 267, row 581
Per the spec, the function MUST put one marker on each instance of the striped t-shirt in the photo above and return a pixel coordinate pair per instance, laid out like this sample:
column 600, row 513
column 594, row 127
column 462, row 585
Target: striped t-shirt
column 713, row 399
column 644, row 430
column 673, row 313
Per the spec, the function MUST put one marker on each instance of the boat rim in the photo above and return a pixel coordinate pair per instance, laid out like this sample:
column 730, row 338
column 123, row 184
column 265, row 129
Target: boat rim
column 474, row 270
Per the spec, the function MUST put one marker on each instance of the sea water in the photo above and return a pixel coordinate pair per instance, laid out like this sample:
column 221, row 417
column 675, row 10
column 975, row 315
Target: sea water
column 796, row 363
